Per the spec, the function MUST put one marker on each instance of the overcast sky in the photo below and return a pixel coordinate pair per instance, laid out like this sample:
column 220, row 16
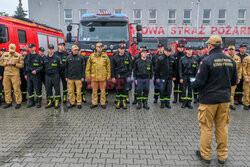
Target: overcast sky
column 9, row 6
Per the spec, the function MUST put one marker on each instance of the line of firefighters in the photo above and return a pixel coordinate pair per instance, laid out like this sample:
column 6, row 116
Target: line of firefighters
column 24, row 74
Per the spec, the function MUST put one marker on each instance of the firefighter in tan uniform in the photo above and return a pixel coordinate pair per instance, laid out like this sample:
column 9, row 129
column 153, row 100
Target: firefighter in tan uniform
column 12, row 62
column 98, row 70
column 214, row 79
column 246, row 84
column 237, row 59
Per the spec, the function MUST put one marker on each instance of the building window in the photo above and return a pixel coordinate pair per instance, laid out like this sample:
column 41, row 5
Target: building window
column 187, row 16
column 103, row 10
column 82, row 12
column 137, row 15
column 68, row 16
column 171, row 16
column 222, row 16
column 117, row 11
column 206, row 16
column 152, row 16
column 22, row 36
column 241, row 16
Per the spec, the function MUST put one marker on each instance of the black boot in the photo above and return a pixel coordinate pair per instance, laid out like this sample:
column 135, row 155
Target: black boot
column 195, row 98
column 18, row 106
column 184, row 104
column 84, row 98
column 135, row 100
column 31, row 102
column 118, row 104
column 162, row 104
column 175, row 97
column 39, row 100
column 7, row 106
column 49, row 104
column 156, row 99
column 245, row 107
column 189, row 105
column 180, row 99
column 24, row 99
column 127, row 99
column 145, row 104
column 57, row 104
column 64, row 98
column 232, row 107
column 138, row 104
column 167, row 104
column 124, row 104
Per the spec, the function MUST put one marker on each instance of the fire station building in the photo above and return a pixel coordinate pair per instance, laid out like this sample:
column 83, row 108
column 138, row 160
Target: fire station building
column 166, row 20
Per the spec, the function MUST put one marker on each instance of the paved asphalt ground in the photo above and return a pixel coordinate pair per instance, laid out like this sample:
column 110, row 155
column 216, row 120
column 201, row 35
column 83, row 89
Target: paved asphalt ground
column 113, row 138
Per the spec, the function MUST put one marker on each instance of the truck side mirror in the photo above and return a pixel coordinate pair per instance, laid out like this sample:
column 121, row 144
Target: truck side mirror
column 138, row 27
column 139, row 37
column 69, row 37
column 69, row 27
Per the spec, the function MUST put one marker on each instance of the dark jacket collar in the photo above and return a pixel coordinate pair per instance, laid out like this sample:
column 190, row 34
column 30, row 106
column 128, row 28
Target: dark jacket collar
column 215, row 50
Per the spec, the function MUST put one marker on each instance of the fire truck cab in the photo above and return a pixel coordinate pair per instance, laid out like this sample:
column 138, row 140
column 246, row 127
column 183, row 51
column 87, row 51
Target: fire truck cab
column 107, row 28
column 22, row 32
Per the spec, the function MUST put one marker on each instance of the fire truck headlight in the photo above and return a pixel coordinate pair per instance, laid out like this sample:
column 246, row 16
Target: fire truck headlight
column 92, row 47
column 105, row 47
column 111, row 47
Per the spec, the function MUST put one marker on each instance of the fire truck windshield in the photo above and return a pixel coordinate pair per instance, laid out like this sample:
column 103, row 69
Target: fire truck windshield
column 195, row 43
column 103, row 31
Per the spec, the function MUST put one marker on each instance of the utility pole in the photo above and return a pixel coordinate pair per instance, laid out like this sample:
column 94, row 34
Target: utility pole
column 59, row 13
column 198, row 14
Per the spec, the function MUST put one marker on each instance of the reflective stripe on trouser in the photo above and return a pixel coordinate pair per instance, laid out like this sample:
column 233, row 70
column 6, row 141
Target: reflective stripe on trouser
column 51, row 82
column 64, row 82
column 8, row 83
column 187, row 89
column 166, row 89
column 121, row 88
column 143, row 86
column 232, row 94
column 95, row 85
column 157, row 89
column 72, row 85
column 34, row 82
column 220, row 115
column 246, row 97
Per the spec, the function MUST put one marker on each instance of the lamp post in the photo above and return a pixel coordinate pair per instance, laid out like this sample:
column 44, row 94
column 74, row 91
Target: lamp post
column 198, row 14
column 59, row 13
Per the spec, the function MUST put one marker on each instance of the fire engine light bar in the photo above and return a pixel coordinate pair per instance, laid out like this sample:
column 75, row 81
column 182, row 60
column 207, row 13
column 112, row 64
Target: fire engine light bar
column 104, row 14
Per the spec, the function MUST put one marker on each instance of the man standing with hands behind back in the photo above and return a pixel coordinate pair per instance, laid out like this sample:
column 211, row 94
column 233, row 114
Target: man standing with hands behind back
column 214, row 79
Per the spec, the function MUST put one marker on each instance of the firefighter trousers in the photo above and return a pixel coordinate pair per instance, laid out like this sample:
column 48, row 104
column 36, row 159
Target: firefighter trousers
column 186, row 89
column 121, row 88
column 143, row 86
column 64, row 82
column 232, row 94
column 23, row 86
column 9, row 82
column 156, row 89
column 72, row 85
column 52, row 81
column 166, row 89
column 178, row 86
column 220, row 115
column 239, row 91
column 34, row 82
column 95, row 85
column 246, row 98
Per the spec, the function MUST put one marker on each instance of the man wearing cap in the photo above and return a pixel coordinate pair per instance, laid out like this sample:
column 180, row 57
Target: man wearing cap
column 12, row 62
column 62, row 54
column 165, row 74
column 74, row 73
column 33, row 65
column 1, row 76
column 188, row 67
column 42, row 54
column 121, row 72
column 231, row 54
column 143, row 73
column 239, row 89
column 177, row 84
column 154, row 61
column 98, row 70
column 214, row 79
column 246, row 84
column 52, row 64
column 23, row 53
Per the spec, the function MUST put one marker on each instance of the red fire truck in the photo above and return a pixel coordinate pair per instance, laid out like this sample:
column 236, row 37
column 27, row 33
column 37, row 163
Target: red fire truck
column 194, row 43
column 22, row 32
column 107, row 28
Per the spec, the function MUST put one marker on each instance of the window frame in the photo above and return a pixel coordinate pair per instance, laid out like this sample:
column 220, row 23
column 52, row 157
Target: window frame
column 117, row 9
column 80, row 13
column 20, row 30
column 152, row 19
column 137, row 19
column 105, row 10
column 207, row 19
column 68, row 19
column 171, row 19
column 242, row 19
column 190, row 18
column 220, row 19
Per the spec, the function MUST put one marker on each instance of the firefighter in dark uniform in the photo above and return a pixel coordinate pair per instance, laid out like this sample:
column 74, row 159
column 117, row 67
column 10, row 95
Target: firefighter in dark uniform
column 33, row 65
column 42, row 54
column 154, row 61
column 188, row 66
column 121, row 74
column 23, row 53
column 52, row 65
column 198, row 57
column 1, row 76
column 216, row 75
column 143, row 73
column 165, row 74
column 136, row 57
column 239, row 89
column 177, row 84
column 62, row 54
